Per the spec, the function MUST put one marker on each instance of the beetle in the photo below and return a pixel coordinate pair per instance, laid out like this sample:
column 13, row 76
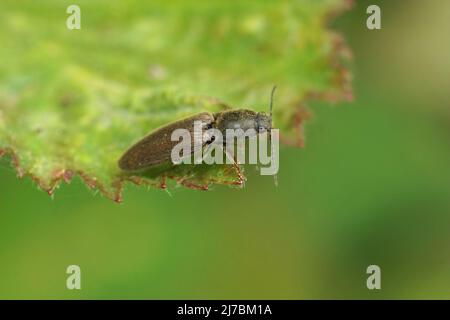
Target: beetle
column 155, row 148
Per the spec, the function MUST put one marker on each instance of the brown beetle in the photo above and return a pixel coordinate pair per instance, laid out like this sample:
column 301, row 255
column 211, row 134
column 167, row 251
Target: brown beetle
column 156, row 147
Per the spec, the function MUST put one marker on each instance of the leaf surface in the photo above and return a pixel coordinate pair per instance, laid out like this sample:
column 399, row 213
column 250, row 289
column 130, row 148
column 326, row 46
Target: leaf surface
column 72, row 101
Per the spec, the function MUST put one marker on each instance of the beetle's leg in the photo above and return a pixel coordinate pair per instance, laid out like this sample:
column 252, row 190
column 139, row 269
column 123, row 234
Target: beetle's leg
column 185, row 180
column 234, row 163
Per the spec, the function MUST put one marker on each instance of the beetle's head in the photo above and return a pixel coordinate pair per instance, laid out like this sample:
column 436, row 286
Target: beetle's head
column 264, row 120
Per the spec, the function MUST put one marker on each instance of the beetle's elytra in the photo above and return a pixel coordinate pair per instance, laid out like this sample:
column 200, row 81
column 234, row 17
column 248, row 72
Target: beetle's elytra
column 155, row 148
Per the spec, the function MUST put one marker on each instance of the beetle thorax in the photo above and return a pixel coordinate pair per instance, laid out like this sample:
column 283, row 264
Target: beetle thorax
column 241, row 119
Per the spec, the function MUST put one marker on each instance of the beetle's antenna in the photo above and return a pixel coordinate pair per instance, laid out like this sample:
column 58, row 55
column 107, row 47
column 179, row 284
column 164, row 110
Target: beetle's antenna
column 275, row 177
column 271, row 101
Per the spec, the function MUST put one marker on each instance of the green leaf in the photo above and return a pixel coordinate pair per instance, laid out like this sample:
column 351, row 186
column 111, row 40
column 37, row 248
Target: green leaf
column 72, row 101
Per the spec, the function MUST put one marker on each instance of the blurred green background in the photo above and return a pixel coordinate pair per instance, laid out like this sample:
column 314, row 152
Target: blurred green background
column 372, row 186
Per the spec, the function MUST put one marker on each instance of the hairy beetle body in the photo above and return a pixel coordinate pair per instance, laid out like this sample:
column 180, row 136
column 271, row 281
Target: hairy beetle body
column 155, row 148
